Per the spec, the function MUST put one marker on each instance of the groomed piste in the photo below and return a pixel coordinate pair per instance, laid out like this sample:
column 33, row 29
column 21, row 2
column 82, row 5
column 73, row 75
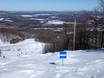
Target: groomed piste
column 25, row 60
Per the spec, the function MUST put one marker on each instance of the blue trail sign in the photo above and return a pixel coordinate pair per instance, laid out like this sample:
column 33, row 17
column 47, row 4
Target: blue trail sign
column 63, row 55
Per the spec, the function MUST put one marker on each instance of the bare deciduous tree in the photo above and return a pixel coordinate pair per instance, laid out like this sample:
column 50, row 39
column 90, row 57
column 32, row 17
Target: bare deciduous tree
column 101, row 4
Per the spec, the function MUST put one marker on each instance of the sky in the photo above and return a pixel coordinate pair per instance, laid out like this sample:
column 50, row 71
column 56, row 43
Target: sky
column 47, row 5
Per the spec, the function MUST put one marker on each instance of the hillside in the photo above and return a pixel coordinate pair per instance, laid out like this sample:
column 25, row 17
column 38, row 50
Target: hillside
column 33, row 64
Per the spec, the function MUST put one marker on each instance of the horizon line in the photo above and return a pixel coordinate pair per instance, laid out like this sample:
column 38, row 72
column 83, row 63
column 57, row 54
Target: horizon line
column 45, row 10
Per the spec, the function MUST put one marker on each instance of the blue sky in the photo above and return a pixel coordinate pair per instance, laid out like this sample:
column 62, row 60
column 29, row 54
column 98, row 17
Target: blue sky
column 47, row 5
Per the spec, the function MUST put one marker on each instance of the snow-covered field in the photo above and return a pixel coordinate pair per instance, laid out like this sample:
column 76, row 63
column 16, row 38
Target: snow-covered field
column 35, row 15
column 56, row 22
column 79, row 64
column 6, row 19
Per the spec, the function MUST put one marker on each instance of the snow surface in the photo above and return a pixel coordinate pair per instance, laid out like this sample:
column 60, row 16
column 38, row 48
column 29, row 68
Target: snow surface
column 79, row 64
column 26, row 15
column 37, row 19
column 1, row 19
column 54, row 17
column 56, row 22
column 26, row 47
column 3, row 43
column 9, row 20
column 35, row 15
column 41, row 15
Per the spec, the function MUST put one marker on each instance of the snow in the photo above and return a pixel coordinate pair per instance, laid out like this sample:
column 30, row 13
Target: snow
column 49, row 28
column 54, row 17
column 79, row 64
column 37, row 19
column 53, row 29
column 41, row 20
column 36, row 15
column 25, row 47
column 3, row 43
column 56, row 22
column 1, row 19
column 9, row 20
column 26, row 15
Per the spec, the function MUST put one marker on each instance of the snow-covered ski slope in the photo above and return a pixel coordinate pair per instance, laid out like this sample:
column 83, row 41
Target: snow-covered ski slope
column 26, row 47
column 79, row 64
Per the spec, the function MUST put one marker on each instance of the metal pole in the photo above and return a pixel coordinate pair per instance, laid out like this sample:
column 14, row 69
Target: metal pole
column 74, row 34
column 62, row 62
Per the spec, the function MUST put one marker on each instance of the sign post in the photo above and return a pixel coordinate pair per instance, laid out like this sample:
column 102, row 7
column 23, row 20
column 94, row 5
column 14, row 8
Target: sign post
column 63, row 55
